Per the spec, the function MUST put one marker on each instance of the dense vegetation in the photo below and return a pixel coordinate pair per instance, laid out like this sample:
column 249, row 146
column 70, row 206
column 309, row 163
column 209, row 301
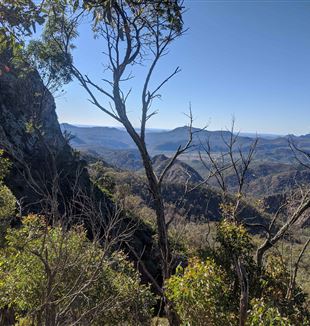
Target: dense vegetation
column 55, row 276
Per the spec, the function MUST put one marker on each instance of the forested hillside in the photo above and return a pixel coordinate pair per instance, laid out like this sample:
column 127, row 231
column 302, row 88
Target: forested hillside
column 129, row 226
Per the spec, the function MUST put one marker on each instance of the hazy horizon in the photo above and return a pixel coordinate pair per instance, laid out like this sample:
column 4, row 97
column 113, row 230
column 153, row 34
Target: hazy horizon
column 242, row 132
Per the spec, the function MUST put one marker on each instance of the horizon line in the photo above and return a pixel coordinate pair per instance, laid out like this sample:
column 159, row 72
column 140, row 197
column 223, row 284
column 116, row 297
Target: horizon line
column 170, row 129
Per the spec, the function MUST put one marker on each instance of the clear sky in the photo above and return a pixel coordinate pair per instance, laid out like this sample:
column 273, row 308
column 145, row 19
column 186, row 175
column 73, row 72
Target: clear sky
column 250, row 59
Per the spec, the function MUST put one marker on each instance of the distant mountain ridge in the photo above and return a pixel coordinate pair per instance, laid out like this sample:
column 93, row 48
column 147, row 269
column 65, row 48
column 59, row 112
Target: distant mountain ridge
column 100, row 139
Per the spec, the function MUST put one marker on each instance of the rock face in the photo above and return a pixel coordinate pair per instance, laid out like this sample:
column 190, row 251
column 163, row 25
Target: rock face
column 24, row 101
column 30, row 135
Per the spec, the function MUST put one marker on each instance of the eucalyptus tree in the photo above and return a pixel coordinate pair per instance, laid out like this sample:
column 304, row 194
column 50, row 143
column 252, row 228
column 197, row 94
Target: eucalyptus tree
column 134, row 33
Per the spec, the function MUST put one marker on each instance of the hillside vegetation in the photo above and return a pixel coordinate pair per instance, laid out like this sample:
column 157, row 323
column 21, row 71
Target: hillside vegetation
column 128, row 226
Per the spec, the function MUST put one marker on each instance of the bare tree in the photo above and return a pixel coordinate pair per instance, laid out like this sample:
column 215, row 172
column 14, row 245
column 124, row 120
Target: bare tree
column 292, row 283
column 296, row 208
column 134, row 35
column 235, row 161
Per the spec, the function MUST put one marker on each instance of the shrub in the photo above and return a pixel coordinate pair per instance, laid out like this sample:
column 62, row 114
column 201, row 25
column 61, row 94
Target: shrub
column 4, row 166
column 48, row 274
column 274, row 286
column 199, row 293
column 263, row 314
column 7, row 202
column 234, row 238
column 7, row 199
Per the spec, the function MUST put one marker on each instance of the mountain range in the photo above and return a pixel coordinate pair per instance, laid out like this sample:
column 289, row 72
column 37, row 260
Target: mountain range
column 100, row 140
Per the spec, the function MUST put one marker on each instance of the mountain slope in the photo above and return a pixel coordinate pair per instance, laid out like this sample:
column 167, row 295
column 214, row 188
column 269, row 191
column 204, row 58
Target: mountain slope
column 112, row 138
column 180, row 172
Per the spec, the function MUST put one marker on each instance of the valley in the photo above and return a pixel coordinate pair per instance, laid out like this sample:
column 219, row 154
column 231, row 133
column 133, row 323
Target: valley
column 274, row 168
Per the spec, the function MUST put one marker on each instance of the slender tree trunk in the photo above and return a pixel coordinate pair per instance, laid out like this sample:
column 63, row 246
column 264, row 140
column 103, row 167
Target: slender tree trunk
column 162, row 229
column 292, row 283
column 50, row 314
column 7, row 316
column 159, row 208
column 244, row 291
column 162, row 235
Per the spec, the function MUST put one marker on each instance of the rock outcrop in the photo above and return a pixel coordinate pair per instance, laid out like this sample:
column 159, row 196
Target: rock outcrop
column 30, row 135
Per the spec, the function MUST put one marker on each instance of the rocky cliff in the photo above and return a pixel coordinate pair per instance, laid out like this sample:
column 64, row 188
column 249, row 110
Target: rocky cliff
column 30, row 135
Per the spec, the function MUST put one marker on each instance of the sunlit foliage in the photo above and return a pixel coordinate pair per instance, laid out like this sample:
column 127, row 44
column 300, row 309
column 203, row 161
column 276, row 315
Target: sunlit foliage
column 199, row 293
column 48, row 274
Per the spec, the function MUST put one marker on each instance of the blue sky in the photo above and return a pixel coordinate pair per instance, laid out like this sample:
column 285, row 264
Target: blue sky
column 250, row 59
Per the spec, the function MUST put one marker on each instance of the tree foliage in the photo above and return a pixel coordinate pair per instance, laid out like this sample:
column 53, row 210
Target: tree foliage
column 18, row 18
column 265, row 314
column 45, row 56
column 200, row 293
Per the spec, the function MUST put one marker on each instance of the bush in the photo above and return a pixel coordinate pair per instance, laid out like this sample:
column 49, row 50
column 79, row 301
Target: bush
column 50, row 274
column 4, row 166
column 199, row 293
column 274, row 285
column 263, row 314
column 234, row 238
column 7, row 203
column 7, row 199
